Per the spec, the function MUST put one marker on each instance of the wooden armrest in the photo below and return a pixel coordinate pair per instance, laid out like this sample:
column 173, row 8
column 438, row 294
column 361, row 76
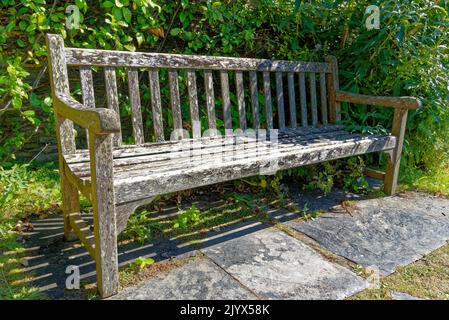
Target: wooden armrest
column 394, row 102
column 98, row 120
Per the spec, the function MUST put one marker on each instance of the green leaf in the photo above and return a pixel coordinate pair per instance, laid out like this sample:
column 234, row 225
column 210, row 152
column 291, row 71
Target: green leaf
column 16, row 102
column 175, row 31
column 107, row 4
column 127, row 14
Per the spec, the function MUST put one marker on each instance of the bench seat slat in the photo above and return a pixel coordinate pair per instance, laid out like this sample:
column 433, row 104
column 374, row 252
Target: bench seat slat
column 137, row 176
column 181, row 159
column 166, row 146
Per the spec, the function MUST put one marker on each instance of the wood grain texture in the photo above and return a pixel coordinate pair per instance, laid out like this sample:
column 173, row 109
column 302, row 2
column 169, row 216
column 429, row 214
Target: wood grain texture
column 292, row 99
column 112, row 58
column 394, row 161
column 323, row 95
column 59, row 83
column 136, row 184
column 267, row 94
column 112, row 99
column 136, row 109
column 313, row 99
column 103, row 205
column 254, row 99
column 332, row 88
column 82, row 230
column 87, row 87
column 280, row 100
column 303, row 97
column 70, row 204
column 240, row 99
column 193, row 101
column 410, row 103
column 210, row 100
column 175, row 104
column 98, row 120
column 156, row 105
column 224, row 80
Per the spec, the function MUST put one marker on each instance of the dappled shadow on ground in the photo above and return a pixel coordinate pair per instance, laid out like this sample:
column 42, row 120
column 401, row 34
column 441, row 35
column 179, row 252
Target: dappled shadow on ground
column 49, row 256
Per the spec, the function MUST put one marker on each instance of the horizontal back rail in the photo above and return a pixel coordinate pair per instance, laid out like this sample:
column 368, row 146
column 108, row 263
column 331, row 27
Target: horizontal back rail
column 109, row 58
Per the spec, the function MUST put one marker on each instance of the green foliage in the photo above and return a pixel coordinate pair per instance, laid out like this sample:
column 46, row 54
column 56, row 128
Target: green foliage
column 187, row 217
column 141, row 227
column 408, row 55
column 140, row 263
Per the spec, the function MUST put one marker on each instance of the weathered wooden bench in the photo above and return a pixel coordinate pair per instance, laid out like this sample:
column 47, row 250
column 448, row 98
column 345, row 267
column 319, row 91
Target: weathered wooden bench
column 117, row 178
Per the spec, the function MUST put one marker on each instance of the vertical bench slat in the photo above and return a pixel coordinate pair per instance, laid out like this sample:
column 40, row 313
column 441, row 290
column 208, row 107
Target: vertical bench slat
column 134, row 97
column 241, row 99
column 267, row 94
column 210, row 98
column 156, row 104
column 292, row 99
column 175, row 102
column 302, row 92
column 313, row 99
column 87, row 88
column 323, row 98
column 254, row 99
column 280, row 100
column 193, row 101
column 112, row 99
column 226, row 100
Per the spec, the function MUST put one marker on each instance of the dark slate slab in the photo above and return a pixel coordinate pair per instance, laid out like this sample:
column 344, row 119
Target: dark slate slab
column 199, row 279
column 383, row 233
column 275, row 265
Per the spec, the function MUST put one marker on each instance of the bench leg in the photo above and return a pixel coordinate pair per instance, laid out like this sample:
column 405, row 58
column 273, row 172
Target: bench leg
column 105, row 229
column 394, row 158
column 70, row 204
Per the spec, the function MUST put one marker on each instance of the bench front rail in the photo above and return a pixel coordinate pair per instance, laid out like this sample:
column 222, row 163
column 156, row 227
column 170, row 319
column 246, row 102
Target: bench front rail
column 299, row 112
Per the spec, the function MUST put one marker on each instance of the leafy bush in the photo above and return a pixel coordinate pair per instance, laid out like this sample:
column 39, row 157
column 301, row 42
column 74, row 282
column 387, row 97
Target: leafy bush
column 408, row 55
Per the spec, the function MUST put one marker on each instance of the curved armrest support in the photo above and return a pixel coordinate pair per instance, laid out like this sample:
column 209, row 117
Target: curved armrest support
column 98, row 120
column 411, row 103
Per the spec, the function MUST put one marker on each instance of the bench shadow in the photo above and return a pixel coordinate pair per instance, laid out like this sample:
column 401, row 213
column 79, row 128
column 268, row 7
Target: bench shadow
column 49, row 256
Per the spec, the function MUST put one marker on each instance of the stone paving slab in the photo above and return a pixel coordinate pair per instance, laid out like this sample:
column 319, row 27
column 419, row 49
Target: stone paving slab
column 384, row 233
column 275, row 265
column 197, row 280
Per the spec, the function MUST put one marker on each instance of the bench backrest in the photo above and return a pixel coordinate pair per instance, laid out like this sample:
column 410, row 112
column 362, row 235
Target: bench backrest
column 295, row 94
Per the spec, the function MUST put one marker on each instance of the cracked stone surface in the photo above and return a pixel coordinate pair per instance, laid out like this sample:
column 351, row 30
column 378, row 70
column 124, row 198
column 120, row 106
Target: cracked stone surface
column 384, row 233
column 198, row 279
column 275, row 265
